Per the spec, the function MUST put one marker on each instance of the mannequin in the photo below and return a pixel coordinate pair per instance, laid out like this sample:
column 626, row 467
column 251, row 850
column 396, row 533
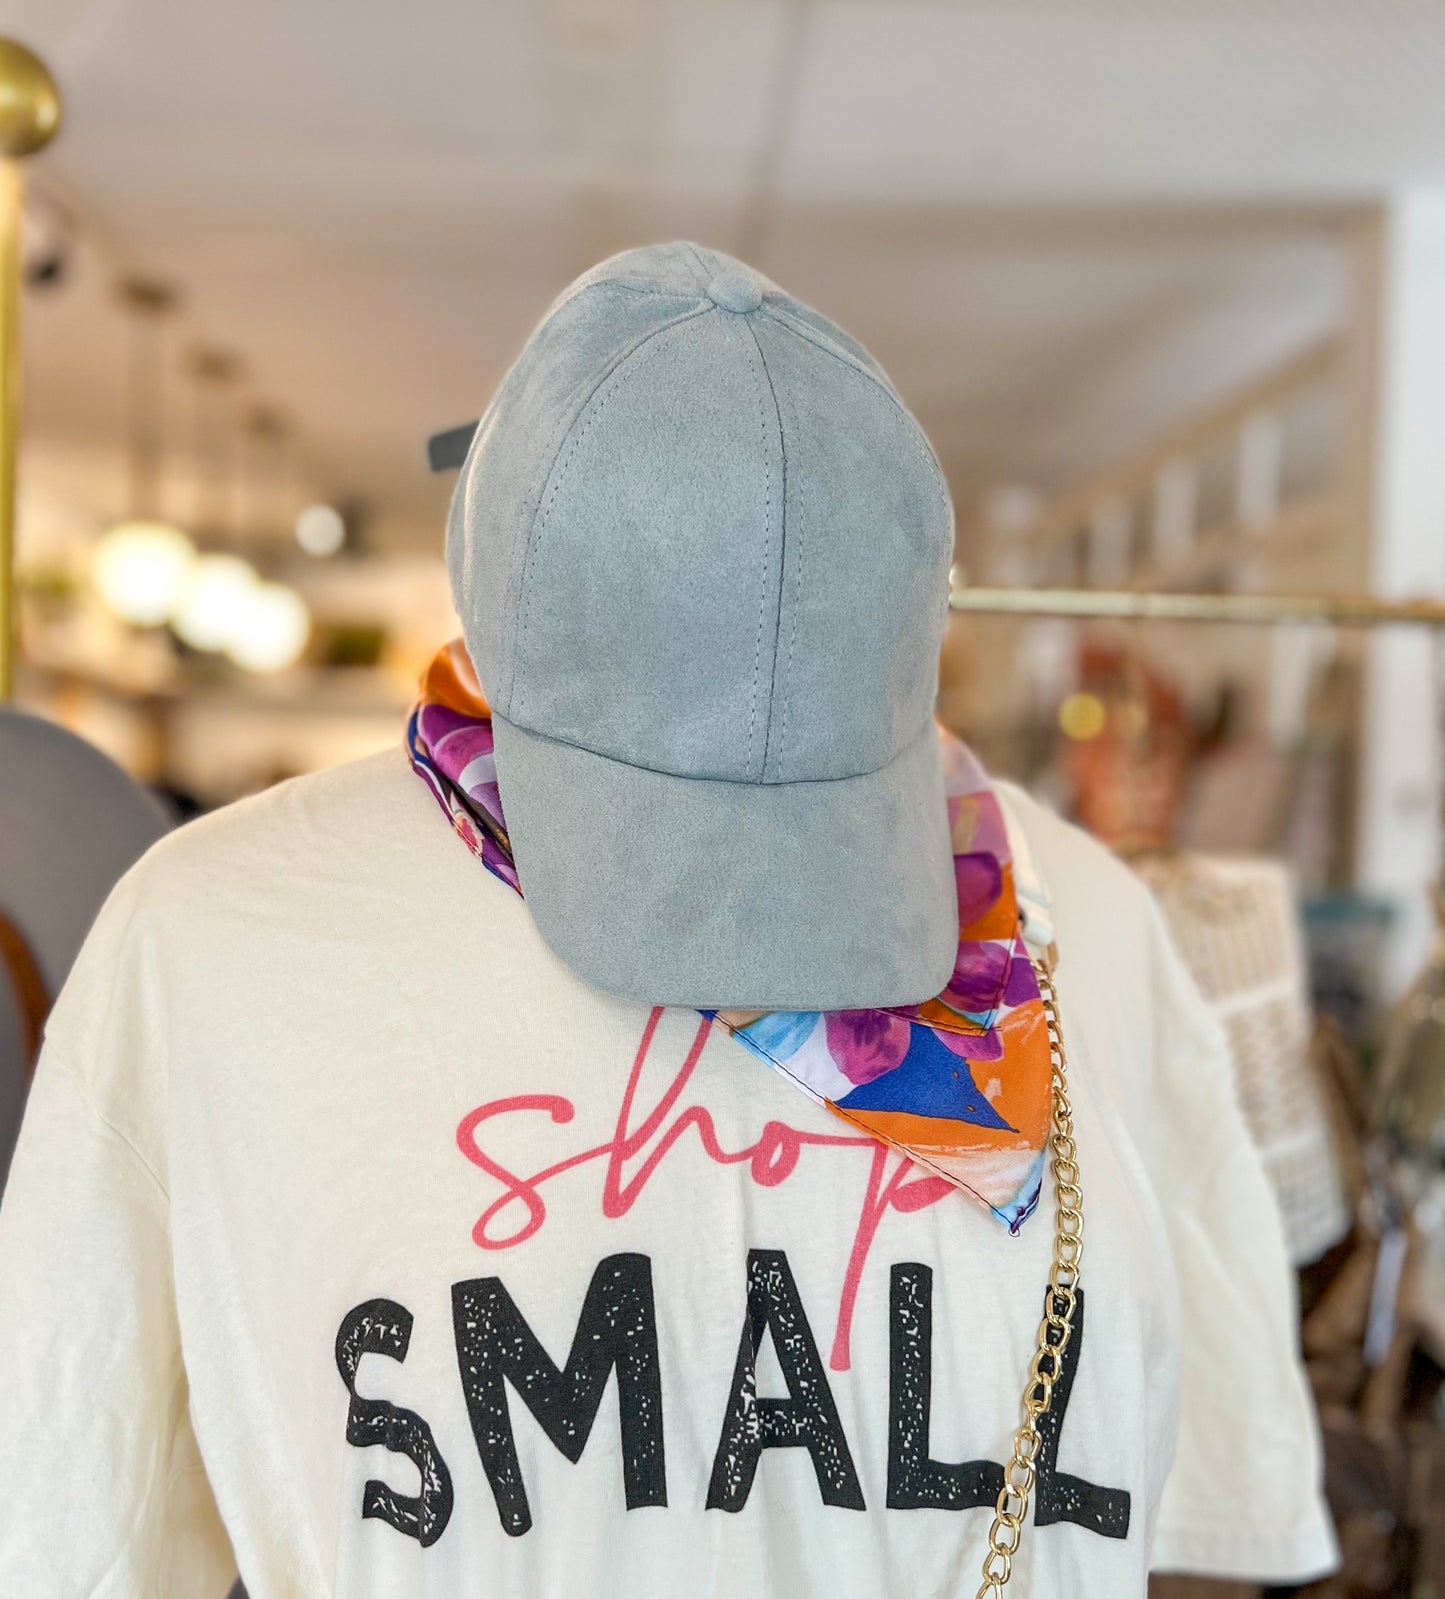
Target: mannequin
column 394, row 1212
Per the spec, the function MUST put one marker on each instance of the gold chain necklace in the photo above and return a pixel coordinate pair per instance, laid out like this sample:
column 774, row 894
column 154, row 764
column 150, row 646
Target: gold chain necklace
column 1057, row 1327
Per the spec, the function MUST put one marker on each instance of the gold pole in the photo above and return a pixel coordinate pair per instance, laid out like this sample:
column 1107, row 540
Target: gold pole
column 29, row 116
column 1128, row 605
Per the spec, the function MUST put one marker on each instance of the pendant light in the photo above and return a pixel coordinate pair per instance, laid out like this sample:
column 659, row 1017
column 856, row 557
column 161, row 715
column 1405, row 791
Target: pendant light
column 141, row 566
column 320, row 530
column 264, row 475
column 225, row 607
column 276, row 624
column 273, row 629
column 208, row 606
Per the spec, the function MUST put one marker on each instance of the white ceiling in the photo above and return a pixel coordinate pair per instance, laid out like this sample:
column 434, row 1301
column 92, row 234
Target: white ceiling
column 1059, row 224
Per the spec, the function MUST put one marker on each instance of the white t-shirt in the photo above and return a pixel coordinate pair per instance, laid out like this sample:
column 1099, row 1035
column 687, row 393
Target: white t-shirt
column 349, row 1231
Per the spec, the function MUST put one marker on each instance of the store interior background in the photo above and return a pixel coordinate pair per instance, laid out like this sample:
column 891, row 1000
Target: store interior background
column 1164, row 280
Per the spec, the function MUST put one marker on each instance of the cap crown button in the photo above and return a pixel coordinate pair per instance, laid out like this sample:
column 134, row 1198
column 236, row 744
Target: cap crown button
column 733, row 292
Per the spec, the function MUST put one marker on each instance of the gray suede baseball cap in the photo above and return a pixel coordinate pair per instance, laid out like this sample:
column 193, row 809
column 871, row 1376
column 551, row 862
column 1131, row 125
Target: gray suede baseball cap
column 700, row 551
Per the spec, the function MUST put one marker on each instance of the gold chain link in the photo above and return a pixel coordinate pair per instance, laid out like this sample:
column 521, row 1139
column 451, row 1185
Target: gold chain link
column 1057, row 1327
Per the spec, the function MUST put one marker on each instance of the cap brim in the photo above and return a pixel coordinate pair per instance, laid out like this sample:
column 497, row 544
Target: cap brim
column 720, row 895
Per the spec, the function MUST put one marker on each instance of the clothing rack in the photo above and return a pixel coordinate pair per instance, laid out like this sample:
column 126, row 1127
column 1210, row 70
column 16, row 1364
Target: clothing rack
column 1142, row 605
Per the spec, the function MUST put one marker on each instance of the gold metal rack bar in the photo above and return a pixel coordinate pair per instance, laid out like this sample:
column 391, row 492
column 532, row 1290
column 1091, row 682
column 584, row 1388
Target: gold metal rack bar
column 1129, row 605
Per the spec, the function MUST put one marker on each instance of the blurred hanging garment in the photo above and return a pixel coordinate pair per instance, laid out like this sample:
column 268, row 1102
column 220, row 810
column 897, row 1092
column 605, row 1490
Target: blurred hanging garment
column 1235, row 923
column 906, row 1075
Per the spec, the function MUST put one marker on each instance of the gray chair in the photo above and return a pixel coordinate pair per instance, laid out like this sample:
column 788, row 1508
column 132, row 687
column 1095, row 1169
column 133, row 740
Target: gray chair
column 71, row 823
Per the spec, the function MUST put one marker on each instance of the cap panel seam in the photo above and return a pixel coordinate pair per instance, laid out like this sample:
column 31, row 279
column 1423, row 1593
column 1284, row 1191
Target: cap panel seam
column 778, row 714
column 767, row 381
column 557, row 473
column 796, row 532
column 915, row 432
column 695, row 264
column 574, row 291
column 644, row 288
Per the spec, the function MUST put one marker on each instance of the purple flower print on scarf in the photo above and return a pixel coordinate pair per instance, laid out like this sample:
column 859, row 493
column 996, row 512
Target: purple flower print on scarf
column 980, row 882
column 978, row 979
column 866, row 1043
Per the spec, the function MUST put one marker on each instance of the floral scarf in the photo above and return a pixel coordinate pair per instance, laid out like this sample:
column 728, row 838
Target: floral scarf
column 960, row 1083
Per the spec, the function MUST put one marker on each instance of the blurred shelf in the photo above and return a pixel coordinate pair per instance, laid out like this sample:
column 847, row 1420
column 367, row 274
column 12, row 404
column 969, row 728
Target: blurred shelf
column 312, row 691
